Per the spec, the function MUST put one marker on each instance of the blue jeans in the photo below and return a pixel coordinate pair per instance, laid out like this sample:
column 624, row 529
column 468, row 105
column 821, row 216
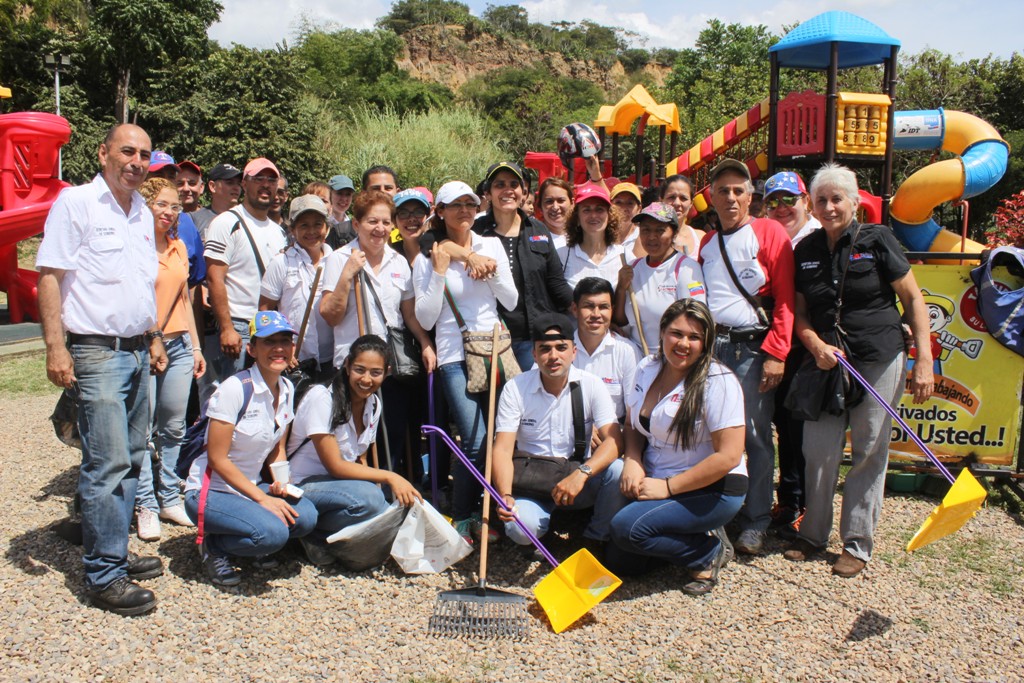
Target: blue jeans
column 601, row 492
column 674, row 529
column 523, row 351
column 218, row 366
column 234, row 524
column 168, row 400
column 113, row 419
column 341, row 502
column 746, row 360
column 469, row 413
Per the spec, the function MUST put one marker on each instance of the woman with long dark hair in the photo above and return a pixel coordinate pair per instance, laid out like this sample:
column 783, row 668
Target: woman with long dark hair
column 684, row 464
column 333, row 428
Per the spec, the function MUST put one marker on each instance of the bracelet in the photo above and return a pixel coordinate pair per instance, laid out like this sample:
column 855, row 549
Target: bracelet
column 668, row 487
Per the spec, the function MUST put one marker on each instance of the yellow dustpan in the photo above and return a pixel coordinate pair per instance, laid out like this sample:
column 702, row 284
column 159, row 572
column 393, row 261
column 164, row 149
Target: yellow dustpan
column 964, row 497
column 575, row 586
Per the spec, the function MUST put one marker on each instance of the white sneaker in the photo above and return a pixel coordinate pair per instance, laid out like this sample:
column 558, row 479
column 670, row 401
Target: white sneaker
column 148, row 524
column 176, row 514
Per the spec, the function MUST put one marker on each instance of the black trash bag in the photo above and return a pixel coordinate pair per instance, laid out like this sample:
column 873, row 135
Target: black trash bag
column 65, row 420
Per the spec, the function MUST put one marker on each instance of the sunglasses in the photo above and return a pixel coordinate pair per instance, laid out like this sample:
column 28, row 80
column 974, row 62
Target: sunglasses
column 788, row 200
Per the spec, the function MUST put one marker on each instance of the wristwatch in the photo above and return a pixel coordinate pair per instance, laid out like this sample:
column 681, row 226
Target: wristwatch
column 154, row 334
column 586, row 469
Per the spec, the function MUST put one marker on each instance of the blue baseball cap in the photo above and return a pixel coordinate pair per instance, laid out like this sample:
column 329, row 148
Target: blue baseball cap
column 160, row 159
column 412, row 195
column 341, row 182
column 268, row 323
column 786, row 181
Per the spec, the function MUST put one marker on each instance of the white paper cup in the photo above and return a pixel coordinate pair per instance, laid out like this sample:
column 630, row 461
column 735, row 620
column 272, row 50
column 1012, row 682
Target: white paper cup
column 281, row 471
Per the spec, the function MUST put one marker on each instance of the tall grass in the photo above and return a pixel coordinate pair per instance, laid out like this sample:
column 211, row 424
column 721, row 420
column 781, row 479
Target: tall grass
column 427, row 149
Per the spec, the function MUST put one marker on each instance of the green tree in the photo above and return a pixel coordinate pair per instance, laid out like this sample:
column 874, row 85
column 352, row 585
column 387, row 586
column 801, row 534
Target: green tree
column 408, row 14
column 132, row 37
column 511, row 19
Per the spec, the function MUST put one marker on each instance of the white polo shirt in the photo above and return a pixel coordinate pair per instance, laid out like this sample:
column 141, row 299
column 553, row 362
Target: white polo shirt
column 723, row 408
column 614, row 363
column 393, row 284
column 542, row 422
column 678, row 277
column 110, row 259
column 314, row 417
column 259, row 430
column 288, row 280
column 228, row 245
column 477, row 299
column 576, row 265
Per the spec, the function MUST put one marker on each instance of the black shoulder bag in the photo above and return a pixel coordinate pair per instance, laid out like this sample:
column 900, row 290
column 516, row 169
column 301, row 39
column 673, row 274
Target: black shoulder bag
column 404, row 352
column 535, row 476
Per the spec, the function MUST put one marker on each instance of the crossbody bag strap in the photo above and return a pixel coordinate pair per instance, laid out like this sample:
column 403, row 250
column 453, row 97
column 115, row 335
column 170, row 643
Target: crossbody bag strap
column 376, row 299
column 459, row 320
column 252, row 243
column 736, row 281
column 578, row 423
column 842, row 279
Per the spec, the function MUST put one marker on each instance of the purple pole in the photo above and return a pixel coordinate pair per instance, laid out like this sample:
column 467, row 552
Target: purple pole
column 494, row 494
column 435, row 486
column 892, row 412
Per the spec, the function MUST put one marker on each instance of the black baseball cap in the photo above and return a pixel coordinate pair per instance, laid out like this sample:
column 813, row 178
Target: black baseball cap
column 553, row 327
column 224, row 172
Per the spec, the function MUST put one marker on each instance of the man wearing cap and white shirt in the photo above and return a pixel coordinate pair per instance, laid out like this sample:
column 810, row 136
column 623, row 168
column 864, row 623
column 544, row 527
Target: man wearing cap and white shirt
column 535, row 417
column 239, row 244
column 225, row 185
column 97, row 273
column 752, row 341
column 342, row 191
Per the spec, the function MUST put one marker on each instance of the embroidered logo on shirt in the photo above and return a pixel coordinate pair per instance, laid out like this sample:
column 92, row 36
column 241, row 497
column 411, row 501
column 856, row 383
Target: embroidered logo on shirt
column 609, row 380
column 396, row 276
column 676, row 398
column 863, row 256
column 810, row 265
column 528, row 422
column 748, row 274
column 696, row 288
column 538, row 238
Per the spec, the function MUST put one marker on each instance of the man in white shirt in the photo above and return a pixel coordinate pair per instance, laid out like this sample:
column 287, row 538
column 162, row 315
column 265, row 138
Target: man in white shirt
column 97, row 270
column 536, row 418
column 239, row 244
column 599, row 351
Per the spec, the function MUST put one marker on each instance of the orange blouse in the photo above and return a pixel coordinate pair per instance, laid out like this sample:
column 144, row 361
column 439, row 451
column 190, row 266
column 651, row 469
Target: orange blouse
column 171, row 275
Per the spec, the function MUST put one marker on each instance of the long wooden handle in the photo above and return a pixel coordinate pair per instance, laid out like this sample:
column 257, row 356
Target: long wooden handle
column 309, row 309
column 636, row 314
column 489, row 450
column 361, row 323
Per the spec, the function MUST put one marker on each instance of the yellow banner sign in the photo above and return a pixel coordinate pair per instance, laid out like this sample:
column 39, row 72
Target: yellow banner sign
column 974, row 411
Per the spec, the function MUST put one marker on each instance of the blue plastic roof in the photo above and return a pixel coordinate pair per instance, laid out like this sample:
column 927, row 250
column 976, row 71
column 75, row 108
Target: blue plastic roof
column 808, row 46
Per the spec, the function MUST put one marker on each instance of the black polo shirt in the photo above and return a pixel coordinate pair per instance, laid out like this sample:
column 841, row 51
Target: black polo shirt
column 869, row 315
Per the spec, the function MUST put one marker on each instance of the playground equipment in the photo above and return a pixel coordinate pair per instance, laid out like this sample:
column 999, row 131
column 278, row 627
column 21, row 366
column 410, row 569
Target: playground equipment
column 29, row 146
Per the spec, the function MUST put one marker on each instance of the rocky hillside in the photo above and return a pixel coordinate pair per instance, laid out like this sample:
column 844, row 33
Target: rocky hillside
column 450, row 56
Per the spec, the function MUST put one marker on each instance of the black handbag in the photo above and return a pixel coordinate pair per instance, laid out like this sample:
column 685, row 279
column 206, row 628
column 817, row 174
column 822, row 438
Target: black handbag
column 405, row 355
column 534, row 476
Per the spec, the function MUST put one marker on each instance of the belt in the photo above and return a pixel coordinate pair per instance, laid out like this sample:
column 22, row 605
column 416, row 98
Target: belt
column 741, row 334
column 136, row 343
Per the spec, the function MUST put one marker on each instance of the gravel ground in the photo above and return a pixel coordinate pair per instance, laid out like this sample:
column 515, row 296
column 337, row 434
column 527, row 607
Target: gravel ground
column 952, row 612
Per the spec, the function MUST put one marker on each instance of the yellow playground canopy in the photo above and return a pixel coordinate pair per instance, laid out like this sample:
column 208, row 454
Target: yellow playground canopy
column 619, row 117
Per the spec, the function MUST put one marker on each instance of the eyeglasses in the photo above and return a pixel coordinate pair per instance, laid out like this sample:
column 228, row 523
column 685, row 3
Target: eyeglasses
column 262, row 179
column 788, row 200
column 176, row 208
column 411, row 213
column 461, row 206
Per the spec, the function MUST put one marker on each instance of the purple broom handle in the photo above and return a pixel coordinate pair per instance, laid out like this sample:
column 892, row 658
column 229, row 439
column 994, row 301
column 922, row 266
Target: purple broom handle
column 494, row 494
column 435, row 485
column 892, row 411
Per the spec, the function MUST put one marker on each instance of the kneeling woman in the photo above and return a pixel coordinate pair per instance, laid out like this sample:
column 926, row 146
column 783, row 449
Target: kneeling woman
column 332, row 430
column 249, row 414
column 684, row 454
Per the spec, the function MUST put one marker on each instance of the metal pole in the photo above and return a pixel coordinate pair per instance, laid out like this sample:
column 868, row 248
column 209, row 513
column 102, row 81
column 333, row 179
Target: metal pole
column 56, row 89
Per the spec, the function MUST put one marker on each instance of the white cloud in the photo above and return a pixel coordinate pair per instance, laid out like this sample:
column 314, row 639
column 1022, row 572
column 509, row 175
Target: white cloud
column 265, row 23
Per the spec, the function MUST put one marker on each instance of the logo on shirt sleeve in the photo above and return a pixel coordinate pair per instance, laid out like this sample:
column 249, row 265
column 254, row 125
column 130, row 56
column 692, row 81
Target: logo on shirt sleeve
column 696, row 288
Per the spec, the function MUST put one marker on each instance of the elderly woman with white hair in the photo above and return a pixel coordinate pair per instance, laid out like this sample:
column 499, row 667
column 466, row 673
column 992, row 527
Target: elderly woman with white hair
column 864, row 268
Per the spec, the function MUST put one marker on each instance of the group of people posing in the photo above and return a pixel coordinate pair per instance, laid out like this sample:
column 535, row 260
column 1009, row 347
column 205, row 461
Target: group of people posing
column 653, row 358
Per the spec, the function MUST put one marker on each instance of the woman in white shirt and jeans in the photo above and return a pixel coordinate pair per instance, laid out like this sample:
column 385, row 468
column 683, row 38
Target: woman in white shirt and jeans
column 477, row 301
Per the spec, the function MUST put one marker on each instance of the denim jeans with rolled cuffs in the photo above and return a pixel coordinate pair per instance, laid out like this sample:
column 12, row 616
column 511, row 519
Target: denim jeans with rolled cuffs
column 746, row 360
column 236, row 525
column 341, row 502
column 601, row 492
column 113, row 419
column 469, row 413
column 168, row 401
column 218, row 366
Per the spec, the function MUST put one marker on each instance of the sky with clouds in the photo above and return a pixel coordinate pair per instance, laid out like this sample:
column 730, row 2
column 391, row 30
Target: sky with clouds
column 986, row 27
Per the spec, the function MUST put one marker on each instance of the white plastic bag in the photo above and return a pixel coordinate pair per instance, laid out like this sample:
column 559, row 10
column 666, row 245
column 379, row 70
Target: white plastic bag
column 366, row 545
column 426, row 543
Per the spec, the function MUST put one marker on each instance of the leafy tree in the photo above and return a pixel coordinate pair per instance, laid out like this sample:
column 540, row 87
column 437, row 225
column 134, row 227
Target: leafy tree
column 408, row 14
column 1009, row 222
column 634, row 59
column 511, row 19
column 132, row 37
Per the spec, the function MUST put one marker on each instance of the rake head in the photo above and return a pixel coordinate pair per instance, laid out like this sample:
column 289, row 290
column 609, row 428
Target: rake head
column 480, row 612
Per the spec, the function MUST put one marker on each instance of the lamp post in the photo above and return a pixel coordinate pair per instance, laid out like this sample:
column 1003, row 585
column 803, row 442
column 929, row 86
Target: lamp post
column 58, row 63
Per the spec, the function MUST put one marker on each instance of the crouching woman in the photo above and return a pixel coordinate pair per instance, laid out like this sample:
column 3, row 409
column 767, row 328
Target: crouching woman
column 249, row 413
column 684, row 464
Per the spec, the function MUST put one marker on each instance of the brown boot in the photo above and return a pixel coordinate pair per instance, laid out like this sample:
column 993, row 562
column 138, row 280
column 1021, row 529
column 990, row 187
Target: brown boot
column 848, row 566
column 801, row 551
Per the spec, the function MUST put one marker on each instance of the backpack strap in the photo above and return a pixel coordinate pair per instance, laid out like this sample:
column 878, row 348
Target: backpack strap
column 578, row 423
column 247, row 390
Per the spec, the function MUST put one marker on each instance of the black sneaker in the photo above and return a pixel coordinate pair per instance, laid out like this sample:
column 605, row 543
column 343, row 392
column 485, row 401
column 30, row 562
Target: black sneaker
column 141, row 567
column 125, row 597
